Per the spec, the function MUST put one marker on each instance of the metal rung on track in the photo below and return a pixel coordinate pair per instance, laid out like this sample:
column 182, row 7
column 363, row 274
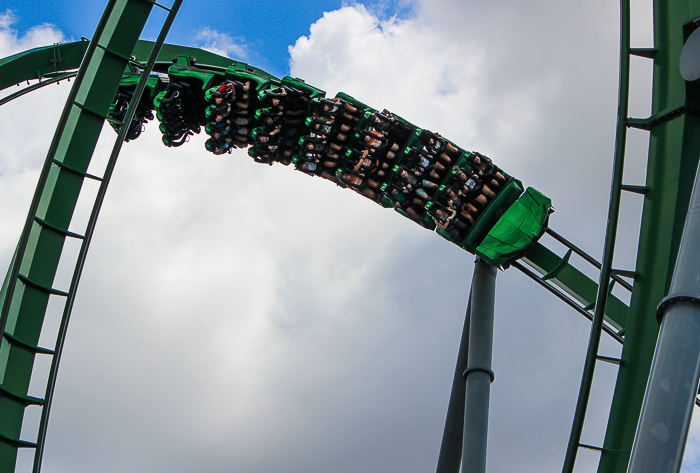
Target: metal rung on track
column 648, row 53
column 14, row 340
column 635, row 189
column 75, row 171
column 17, row 443
column 35, row 284
column 36, row 86
column 114, row 53
column 104, row 116
column 573, row 303
column 27, row 400
column 46, row 224
column 591, row 447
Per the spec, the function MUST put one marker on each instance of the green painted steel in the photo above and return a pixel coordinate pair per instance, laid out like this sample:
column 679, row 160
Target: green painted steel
column 673, row 155
column 204, row 59
column 493, row 214
column 38, row 85
column 674, row 148
column 39, row 63
column 575, row 283
column 28, row 286
column 51, row 63
column 517, row 230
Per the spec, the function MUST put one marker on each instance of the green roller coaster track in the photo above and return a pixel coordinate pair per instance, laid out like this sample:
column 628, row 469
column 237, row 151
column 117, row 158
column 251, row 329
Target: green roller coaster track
column 99, row 66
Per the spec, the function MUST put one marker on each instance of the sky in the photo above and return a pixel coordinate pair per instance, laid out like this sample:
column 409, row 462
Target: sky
column 239, row 317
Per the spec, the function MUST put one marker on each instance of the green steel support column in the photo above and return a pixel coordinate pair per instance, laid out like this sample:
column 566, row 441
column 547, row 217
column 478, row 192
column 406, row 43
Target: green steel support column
column 674, row 149
column 29, row 285
column 478, row 375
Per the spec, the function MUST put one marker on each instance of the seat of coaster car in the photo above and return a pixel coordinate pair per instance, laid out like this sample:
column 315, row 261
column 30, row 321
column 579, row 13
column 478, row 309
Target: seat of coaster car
column 194, row 83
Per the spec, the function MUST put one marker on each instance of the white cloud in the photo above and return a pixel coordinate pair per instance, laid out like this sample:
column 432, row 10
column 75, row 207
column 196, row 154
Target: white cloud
column 25, row 139
column 11, row 42
column 397, row 64
column 6, row 19
column 691, row 456
column 411, row 68
column 222, row 43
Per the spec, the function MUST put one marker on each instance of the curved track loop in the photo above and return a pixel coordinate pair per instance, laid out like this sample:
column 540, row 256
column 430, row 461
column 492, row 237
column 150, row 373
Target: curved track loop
column 38, row 85
column 36, row 259
column 552, row 268
column 554, row 272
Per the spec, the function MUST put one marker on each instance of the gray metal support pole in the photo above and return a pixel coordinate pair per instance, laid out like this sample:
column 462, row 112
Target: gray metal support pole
column 478, row 374
column 675, row 372
column 450, row 458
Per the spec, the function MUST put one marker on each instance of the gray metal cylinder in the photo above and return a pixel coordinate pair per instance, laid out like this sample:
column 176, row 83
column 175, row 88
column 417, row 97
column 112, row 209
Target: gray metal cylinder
column 478, row 374
column 675, row 372
column 450, row 457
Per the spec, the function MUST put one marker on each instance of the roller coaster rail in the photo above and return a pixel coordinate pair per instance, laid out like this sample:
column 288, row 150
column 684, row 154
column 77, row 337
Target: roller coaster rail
column 674, row 131
column 116, row 28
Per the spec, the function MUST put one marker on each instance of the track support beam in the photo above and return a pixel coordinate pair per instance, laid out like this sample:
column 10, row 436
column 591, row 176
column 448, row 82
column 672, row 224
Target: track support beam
column 450, row 458
column 478, row 375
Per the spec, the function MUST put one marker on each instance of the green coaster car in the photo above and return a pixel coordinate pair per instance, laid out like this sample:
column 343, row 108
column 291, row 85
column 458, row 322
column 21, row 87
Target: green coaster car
column 461, row 195
column 517, row 230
